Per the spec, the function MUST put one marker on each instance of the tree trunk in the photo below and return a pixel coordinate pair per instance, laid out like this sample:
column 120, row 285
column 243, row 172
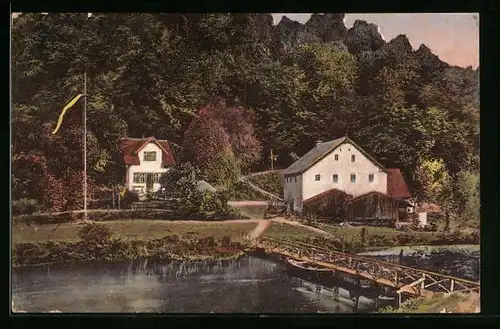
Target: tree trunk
column 447, row 220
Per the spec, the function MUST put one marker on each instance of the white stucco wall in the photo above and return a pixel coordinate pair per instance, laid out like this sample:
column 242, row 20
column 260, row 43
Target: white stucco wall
column 293, row 191
column 343, row 167
column 145, row 167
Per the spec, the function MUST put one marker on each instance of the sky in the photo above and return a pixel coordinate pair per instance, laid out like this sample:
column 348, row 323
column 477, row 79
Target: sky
column 452, row 37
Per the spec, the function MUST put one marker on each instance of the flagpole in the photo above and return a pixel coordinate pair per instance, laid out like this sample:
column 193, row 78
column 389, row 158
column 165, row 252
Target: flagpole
column 85, row 146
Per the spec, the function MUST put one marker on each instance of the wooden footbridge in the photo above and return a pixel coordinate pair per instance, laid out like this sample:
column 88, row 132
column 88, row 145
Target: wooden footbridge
column 404, row 279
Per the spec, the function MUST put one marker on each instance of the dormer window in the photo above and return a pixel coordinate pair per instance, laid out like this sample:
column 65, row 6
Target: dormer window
column 150, row 156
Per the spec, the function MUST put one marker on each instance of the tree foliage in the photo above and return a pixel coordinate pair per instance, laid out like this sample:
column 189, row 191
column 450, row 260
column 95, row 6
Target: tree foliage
column 283, row 88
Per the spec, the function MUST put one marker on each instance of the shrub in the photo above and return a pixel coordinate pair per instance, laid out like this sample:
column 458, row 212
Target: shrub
column 129, row 198
column 94, row 234
column 25, row 206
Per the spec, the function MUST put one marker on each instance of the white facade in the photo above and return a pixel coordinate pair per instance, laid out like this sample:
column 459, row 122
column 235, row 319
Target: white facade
column 146, row 169
column 293, row 192
column 340, row 162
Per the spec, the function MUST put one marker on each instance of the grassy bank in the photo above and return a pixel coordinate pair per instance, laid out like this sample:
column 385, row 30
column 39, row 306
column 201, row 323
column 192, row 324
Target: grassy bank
column 134, row 229
column 389, row 237
column 271, row 182
column 55, row 242
column 455, row 303
column 127, row 240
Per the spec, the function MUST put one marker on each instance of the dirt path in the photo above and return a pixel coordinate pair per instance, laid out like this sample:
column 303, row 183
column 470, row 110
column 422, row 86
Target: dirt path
column 261, row 191
column 248, row 203
column 294, row 223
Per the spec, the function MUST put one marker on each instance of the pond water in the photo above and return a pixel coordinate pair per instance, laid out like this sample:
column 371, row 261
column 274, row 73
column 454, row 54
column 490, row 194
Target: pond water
column 247, row 285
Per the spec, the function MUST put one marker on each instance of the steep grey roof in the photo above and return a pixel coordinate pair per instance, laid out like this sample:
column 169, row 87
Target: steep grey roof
column 320, row 151
column 311, row 157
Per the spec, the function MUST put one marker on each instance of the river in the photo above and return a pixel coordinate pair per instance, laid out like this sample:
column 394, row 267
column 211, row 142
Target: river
column 247, row 285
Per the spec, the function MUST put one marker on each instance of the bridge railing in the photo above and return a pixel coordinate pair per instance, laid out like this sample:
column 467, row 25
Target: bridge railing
column 407, row 279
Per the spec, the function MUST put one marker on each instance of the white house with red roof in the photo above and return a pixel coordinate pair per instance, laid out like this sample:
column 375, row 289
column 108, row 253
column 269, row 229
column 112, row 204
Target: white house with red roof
column 146, row 159
column 344, row 166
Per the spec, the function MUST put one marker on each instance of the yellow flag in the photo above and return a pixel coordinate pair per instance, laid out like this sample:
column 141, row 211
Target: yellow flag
column 65, row 109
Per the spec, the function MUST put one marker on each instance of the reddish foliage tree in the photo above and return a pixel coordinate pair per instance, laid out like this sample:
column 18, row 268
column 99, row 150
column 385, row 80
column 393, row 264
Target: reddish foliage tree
column 53, row 196
column 204, row 139
column 73, row 190
column 28, row 172
column 239, row 124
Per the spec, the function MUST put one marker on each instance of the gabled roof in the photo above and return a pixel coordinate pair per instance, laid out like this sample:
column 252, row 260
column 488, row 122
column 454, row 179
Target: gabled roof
column 396, row 185
column 320, row 151
column 370, row 193
column 130, row 148
column 325, row 194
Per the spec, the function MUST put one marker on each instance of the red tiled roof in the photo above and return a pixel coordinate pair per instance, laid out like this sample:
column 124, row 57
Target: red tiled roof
column 396, row 185
column 322, row 195
column 130, row 148
column 368, row 193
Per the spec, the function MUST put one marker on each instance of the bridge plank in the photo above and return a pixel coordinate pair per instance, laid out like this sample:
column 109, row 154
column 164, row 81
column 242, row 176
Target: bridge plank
column 381, row 272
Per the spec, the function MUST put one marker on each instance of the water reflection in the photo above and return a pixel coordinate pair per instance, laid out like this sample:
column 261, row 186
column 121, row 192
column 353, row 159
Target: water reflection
column 249, row 284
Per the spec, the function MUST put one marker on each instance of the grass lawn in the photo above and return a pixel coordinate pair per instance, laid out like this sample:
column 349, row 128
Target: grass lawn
column 355, row 232
column 151, row 229
column 290, row 232
column 137, row 229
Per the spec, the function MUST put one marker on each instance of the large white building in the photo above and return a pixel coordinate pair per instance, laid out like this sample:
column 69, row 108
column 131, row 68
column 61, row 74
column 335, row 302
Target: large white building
column 339, row 164
column 146, row 159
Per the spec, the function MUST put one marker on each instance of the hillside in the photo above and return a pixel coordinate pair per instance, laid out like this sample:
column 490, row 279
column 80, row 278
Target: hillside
column 150, row 74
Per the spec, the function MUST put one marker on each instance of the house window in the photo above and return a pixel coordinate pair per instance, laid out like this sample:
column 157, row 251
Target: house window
column 295, row 179
column 353, row 178
column 335, row 178
column 150, row 156
column 336, row 157
column 317, row 177
column 139, row 178
column 156, row 178
column 353, row 158
column 370, row 178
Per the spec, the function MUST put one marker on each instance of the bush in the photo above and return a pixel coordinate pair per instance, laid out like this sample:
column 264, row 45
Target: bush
column 94, row 234
column 129, row 198
column 25, row 206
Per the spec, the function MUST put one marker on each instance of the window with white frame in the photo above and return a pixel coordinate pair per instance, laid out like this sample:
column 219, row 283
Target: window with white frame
column 156, row 178
column 335, row 178
column 353, row 178
column 150, row 156
column 317, row 177
column 139, row 178
column 371, row 178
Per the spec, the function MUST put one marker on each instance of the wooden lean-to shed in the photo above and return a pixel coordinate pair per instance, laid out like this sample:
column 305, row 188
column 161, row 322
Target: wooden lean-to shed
column 329, row 204
column 371, row 208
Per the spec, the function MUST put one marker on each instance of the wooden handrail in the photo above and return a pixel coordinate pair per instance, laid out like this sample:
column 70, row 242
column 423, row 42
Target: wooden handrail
column 382, row 262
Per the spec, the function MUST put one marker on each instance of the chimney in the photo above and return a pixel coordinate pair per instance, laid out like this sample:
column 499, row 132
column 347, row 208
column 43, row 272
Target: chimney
column 318, row 142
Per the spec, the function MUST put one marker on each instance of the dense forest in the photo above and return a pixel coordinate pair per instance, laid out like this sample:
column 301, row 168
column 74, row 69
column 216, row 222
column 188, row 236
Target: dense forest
column 287, row 85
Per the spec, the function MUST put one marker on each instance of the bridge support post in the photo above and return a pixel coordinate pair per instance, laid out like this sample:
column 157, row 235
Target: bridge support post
column 422, row 285
column 452, row 285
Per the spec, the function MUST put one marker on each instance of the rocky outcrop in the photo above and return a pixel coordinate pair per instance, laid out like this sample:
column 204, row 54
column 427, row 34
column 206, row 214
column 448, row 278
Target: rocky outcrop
column 363, row 36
